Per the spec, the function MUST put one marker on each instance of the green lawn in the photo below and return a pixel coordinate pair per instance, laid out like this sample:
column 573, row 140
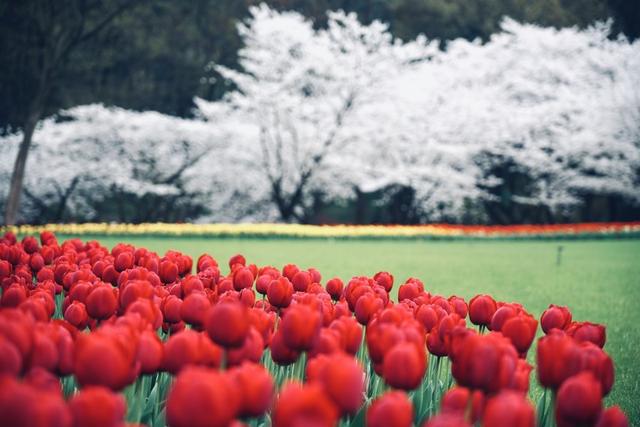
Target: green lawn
column 598, row 279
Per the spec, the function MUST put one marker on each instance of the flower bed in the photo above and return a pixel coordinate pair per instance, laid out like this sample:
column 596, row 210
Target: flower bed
column 434, row 231
column 92, row 336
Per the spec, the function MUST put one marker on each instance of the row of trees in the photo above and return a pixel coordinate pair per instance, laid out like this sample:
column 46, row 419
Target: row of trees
column 535, row 125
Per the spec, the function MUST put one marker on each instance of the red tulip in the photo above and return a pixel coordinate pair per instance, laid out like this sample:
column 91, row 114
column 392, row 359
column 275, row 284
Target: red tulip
column 459, row 306
column 30, row 244
column 558, row 357
column 256, row 388
column 329, row 341
column 456, row 400
column 194, row 309
column 45, row 352
column 481, row 309
column 436, row 345
column 36, row 262
column 613, row 417
column 300, row 326
column 76, row 314
column 307, row 405
column 227, row 323
column 485, row 362
column 281, row 354
column 555, row 316
column 97, row 407
column 594, row 359
column 301, row 281
column 102, row 360
column 316, row 277
column 22, row 405
column 168, row 271
column 170, row 307
column 205, row 261
column 251, row 350
column 366, row 307
column 385, row 280
column 501, row 315
column 404, row 366
column 189, row 347
column 521, row 376
column 351, row 333
column 13, row 296
column 242, row 278
column 579, row 401
column 587, row 331
column 10, row 358
column 17, row 327
column 263, row 322
column 290, row 270
column 191, row 284
column 150, row 352
column 5, row 269
column 43, row 380
column 237, row 259
column 392, row 409
column 447, row 420
column 262, row 284
column 202, row 397
column 101, row 302
column 280, row 292
column 342, row 379
column 123, row 261
column 334, row 288
column 381, row 337
column 508, row 408
column 410, row 290
column 521, row 330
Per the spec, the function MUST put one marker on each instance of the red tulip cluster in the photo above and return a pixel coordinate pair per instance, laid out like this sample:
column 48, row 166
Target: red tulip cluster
column 82, row 327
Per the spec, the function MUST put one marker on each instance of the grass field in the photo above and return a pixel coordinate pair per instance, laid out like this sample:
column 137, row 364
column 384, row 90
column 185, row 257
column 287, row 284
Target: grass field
column 598, row 280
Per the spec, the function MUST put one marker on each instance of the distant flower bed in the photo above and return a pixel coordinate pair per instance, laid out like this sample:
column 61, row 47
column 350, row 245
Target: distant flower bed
column 342, row 231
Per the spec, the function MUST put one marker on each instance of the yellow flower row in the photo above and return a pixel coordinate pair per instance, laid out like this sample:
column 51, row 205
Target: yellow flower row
column 337, row 231
column 294, row 230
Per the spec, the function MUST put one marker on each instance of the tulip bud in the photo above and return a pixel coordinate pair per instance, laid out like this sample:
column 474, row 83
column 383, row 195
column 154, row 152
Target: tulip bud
column 334, row 288
column 194, row 309
column 280, row 292
column 508, row 408
column 613, row 417
column 481, row 310
column 300, row 326
column 256, row 388
column 404, row 366
column 227, row 323
column 447, row 420
column 101, row 302
column 392, row 409
column 202, row 397
column 342, row 378
column 76, row 314
column 168, row 271
column 587, row 331
column 242, row 278
column 306, row 404
column 579, row 400
column 555, row 317
column 97, row 406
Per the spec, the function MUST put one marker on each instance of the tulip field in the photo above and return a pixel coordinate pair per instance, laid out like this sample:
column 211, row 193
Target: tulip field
column 197, row 331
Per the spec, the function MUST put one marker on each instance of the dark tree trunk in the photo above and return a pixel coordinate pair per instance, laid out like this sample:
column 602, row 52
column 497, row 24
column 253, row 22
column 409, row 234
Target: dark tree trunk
column 17, row 177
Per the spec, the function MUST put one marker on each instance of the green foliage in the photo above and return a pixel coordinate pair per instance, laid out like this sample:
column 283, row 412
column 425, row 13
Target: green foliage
column 154, row 55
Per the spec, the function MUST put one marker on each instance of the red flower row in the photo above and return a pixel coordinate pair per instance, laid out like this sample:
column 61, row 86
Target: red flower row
column 227, row 349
